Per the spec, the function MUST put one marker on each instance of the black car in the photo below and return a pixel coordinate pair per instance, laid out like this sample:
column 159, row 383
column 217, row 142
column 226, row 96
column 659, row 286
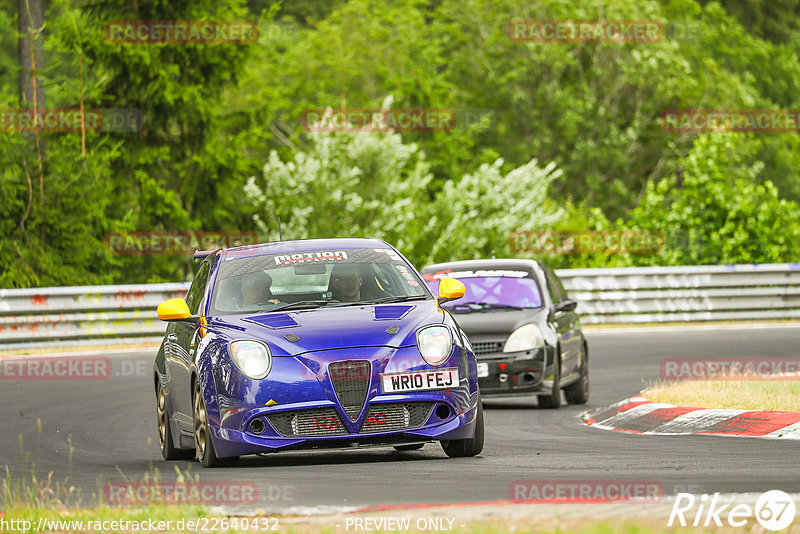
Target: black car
column 520, row 322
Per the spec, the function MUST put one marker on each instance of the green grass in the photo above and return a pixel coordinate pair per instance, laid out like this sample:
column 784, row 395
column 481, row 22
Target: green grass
column 29, row 496
column 780, row 395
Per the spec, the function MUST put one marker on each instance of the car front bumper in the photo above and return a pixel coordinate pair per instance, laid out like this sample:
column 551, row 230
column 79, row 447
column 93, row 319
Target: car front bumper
column 519, row 373
column 229, row 442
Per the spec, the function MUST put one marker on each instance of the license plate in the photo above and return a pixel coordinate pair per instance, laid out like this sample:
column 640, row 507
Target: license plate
column 483, row 370
column 420, row 380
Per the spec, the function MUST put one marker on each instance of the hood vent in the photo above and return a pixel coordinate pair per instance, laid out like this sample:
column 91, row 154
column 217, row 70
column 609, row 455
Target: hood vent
column 391, row 312
column 276, row 320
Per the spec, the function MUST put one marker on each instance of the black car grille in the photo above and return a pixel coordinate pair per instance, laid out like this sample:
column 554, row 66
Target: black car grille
column 386, row 417
column 351, row 383
column 487, row 347
column 316, row 422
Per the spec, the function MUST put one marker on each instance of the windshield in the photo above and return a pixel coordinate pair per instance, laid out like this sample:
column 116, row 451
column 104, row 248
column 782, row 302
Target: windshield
column 510, row 289
column 312, row 279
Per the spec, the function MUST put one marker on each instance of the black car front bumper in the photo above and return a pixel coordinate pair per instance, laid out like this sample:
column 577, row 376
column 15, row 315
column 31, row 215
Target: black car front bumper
column 516, row 373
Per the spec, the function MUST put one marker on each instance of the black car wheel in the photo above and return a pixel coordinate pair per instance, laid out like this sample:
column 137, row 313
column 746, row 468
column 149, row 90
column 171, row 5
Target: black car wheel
column 553, row 401
column 204, row 446
column 578, row 391
column 459, row 448
column 168, row 449
column 412, row 447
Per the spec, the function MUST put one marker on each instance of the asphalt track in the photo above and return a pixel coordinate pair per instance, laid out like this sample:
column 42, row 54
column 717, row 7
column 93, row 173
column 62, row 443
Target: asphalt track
column 112, row 429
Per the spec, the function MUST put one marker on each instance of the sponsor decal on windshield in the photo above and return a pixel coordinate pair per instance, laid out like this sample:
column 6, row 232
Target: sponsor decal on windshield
column 311, row 257
column 488, row 273
column 407, row 275
column 392, row 254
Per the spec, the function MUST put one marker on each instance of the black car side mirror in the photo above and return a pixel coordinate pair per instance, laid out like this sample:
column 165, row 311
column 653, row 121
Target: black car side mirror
column 566, row 305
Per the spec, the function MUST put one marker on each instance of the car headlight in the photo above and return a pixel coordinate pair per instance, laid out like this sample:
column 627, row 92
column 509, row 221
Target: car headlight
column 253, row 358
column 526, row 337
column 435, row 344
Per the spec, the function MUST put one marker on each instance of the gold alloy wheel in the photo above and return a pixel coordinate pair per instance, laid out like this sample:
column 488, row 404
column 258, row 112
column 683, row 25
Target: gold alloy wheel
column 200, row 423
column 161, row 410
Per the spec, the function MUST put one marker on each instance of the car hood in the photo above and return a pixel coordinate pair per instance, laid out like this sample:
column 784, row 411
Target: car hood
column 498, row 323
column 296, row 332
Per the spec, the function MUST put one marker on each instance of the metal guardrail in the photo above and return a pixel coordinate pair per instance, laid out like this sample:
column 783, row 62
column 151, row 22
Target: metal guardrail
column 113, row 314
column 58, row 316
column 684, row 294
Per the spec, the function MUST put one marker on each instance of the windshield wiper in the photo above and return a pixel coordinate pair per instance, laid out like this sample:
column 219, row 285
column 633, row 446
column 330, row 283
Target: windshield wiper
column 481, row 306
column 397, row 299
column 466, row 307
column 302, row 303
column 382, row 300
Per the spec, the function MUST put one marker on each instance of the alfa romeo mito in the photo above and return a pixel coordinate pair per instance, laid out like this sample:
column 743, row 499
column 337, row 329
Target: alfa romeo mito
column 326, row 343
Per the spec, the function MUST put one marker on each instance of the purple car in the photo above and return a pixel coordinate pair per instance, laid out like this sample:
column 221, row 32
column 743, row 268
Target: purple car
column 326, row 343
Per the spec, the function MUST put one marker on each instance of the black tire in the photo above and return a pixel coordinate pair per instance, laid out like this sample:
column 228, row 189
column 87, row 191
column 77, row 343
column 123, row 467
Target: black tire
column 553, row 401
column 578, row 391
column 412, row 447
column 204, row 445
column 168, row 449
column 460, row 448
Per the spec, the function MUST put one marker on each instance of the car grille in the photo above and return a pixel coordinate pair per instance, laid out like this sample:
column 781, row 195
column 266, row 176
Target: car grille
column 386, row 417
column 351, row 383
column 316, row 422
column 487, row 347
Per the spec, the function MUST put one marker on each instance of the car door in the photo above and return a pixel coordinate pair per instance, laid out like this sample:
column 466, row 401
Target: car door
column 567, row 324
column 183, row 340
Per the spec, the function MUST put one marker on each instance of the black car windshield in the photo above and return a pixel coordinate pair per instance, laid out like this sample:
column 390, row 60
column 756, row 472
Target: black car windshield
column 303, row 280
column 496, row 289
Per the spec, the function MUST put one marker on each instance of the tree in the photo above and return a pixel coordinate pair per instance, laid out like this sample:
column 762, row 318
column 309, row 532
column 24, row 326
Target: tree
column 475, row 216
column 719, row 213
column 347, row 184
column 30, row 20
column 374, row 184
column 177, row 173
column 53, row 238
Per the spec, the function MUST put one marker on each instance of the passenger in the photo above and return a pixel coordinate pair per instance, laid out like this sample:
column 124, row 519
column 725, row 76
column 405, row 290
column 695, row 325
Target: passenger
column 345, row 284
column 256, row 290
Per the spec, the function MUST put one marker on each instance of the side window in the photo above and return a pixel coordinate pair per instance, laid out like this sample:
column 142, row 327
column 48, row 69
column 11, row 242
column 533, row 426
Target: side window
column 559, row 286
column 197, row 290
column 554, row 286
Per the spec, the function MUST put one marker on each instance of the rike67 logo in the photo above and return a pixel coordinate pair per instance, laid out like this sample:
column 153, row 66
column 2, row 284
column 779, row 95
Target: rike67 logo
column 774, row 510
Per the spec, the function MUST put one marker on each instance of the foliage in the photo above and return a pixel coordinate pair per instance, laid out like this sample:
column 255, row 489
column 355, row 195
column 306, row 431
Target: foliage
column 571, row 137
column 348, row 184
column 360, row 184
column 474, row 216
column 52, row 219
column 718, row 214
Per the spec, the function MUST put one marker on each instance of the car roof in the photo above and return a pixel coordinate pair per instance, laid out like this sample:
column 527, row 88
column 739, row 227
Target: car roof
column 303, row 245
column 494, row 263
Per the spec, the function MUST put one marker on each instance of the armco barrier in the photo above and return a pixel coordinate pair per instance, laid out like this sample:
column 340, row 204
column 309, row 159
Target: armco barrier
column 53, row 316
column 112, row 314
column 680, row 294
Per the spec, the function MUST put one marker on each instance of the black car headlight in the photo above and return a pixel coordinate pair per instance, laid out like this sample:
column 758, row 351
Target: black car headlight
column 252, row 358
column 526, row 337
column 435, row 344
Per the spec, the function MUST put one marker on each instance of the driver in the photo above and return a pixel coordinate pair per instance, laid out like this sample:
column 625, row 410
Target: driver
column 346, row 283
column 256, row 289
